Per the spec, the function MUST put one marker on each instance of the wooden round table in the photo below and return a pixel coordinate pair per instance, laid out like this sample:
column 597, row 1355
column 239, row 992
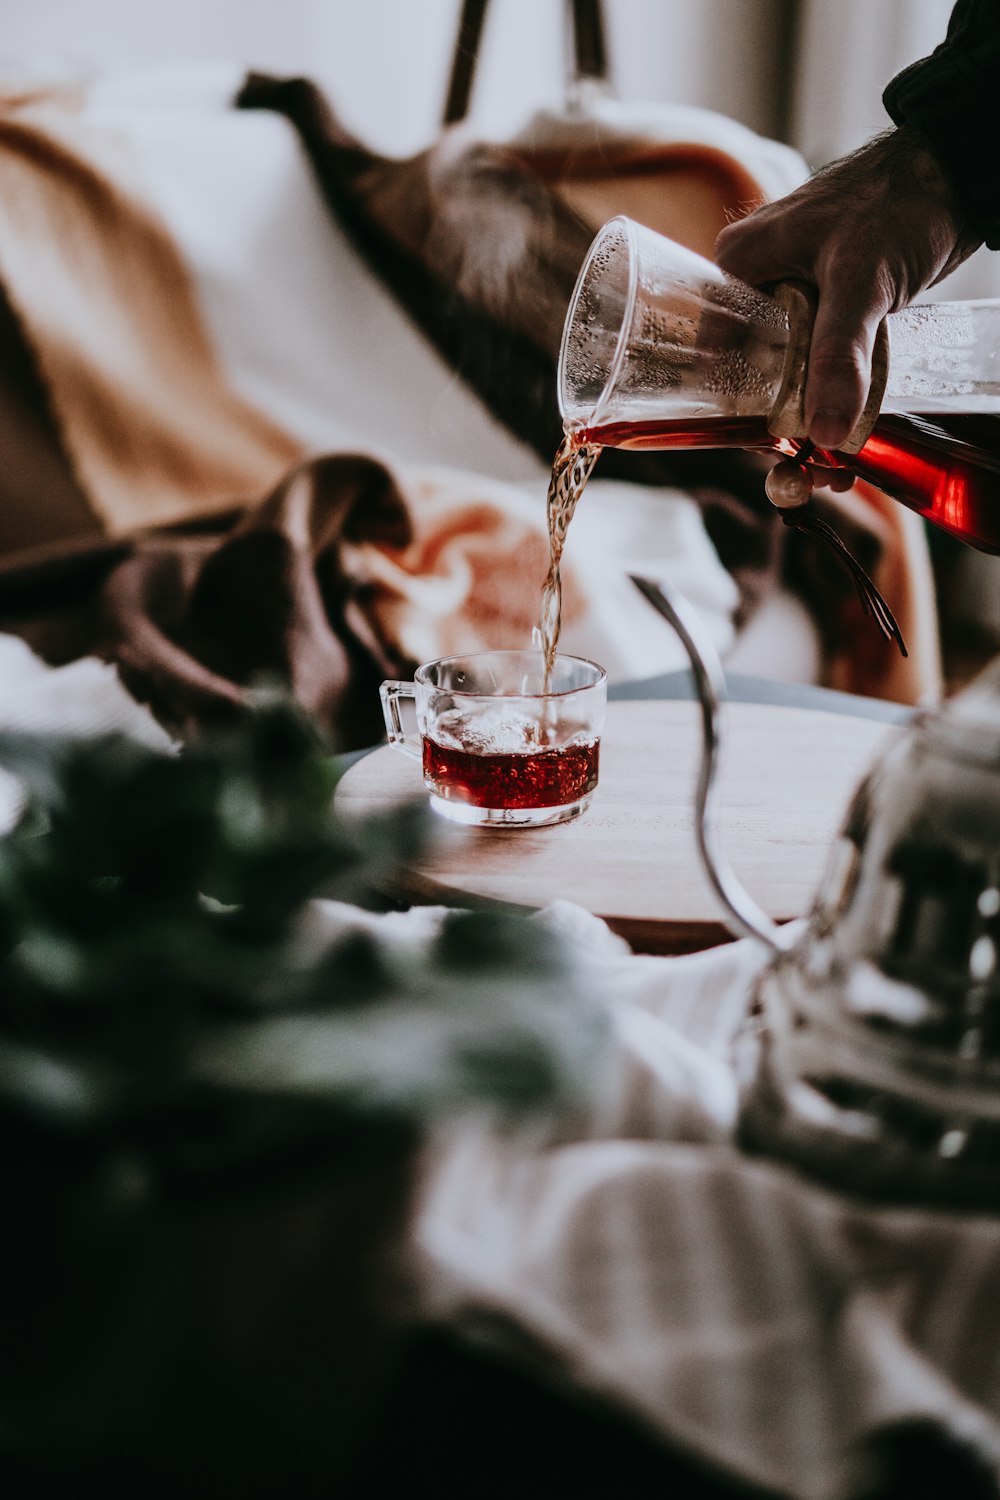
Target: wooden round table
column 786, row 777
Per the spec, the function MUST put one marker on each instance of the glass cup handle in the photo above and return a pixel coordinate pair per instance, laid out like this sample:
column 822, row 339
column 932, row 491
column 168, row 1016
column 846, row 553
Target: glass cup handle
column 390, row 694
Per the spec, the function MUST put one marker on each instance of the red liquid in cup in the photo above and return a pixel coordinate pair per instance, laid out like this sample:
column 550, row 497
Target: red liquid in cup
column 945, row 466
column 512, row 780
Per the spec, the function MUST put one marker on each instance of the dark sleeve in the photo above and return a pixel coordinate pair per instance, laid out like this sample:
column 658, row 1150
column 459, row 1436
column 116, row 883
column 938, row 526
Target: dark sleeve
column 953, row 98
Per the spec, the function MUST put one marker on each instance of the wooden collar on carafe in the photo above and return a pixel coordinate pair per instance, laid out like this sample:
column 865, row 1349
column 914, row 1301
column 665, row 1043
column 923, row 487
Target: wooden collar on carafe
column 786, row 418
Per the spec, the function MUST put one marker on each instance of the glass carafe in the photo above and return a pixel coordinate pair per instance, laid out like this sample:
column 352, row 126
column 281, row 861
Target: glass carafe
column 661, row 349
column 870, row 1056
column 874, row 1055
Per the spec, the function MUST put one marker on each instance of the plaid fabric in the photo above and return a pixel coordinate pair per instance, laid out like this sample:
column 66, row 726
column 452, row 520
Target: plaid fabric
column 758, row 1320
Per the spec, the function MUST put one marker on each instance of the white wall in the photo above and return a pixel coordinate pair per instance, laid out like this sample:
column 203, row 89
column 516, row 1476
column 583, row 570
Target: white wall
column 716, row 53
column 847, row 52
column 810, row 69
column 386, row 62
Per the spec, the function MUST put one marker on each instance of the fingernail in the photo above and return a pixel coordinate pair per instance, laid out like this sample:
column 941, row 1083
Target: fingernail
column 829, row 428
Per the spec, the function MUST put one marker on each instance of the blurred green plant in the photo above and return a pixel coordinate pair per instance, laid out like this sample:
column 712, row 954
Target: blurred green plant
column 190, row 1035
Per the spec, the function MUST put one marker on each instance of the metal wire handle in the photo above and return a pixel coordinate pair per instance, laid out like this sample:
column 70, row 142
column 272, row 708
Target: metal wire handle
column 745, row 917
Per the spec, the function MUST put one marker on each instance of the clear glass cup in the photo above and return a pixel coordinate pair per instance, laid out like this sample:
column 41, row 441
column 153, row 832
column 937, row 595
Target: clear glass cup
column 500, row 747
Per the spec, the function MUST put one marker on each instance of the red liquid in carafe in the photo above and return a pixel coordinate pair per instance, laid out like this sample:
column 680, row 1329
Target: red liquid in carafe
column 547, row 777
column 945, row 466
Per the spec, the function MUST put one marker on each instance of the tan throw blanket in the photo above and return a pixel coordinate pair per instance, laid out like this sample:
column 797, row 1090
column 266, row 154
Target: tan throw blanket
column 151, row 430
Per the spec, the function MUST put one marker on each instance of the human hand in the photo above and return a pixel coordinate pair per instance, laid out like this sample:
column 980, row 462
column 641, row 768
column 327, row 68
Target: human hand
column 868, row 232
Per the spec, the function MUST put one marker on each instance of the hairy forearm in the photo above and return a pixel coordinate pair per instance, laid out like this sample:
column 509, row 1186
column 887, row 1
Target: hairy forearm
column 899, row 166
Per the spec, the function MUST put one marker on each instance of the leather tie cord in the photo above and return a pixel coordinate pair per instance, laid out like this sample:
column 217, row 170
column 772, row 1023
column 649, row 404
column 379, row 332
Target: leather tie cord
column 789, row 488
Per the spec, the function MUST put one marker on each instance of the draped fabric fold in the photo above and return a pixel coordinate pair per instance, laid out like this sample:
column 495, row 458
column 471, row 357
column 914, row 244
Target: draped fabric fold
column 347, row 573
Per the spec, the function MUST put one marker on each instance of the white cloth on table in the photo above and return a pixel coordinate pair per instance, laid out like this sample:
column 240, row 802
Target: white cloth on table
column 85, row 699
column 743, row 1311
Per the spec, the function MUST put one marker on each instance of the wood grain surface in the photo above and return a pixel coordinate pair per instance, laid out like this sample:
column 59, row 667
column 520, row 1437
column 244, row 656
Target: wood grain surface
column 787, row 775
